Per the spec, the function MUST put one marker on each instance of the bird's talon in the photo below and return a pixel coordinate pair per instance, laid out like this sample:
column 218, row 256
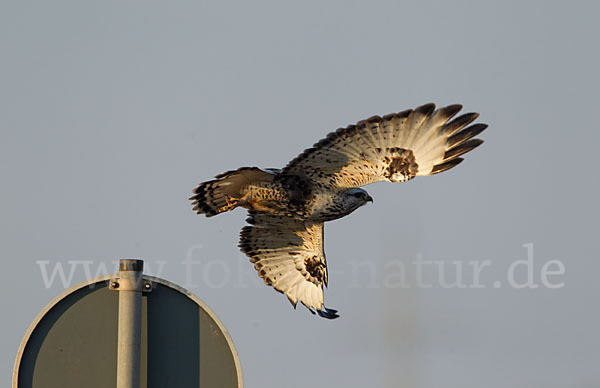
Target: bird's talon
column 231, row 203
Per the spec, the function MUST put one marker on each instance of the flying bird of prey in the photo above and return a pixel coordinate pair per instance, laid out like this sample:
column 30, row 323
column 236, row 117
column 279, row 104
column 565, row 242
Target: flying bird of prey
column 287, row 207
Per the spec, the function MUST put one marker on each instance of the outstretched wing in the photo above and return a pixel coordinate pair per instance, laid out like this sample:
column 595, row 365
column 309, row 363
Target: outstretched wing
column 396, row 148
column 288, row 254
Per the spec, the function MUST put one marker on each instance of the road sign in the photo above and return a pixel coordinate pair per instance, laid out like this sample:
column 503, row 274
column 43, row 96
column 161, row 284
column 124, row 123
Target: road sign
column 74, row 341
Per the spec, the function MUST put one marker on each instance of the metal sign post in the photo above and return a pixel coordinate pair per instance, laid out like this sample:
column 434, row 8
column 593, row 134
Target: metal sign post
column 130, row 322
column 133, row 330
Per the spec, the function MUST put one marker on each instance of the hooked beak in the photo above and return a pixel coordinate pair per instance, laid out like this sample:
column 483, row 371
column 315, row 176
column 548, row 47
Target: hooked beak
column 369, row 199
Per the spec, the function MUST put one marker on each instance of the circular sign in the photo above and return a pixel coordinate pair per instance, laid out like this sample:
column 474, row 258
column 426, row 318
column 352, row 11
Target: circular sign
column 73, row 341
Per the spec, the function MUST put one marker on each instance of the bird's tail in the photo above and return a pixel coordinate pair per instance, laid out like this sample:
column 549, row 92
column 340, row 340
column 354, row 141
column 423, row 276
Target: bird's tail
column 225, row 191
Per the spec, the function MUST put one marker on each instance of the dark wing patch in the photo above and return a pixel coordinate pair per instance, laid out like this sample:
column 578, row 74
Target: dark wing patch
column 288, row 255
column 402, row 166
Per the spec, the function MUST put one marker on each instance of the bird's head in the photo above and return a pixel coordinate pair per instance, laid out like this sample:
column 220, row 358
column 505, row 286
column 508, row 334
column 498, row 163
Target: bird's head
column 355, row 198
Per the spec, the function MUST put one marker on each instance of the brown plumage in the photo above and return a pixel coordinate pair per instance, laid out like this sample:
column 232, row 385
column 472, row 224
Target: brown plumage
column 288, row 207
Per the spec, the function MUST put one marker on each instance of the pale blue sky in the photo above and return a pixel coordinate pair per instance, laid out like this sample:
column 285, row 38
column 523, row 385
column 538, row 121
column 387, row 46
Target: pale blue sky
column 111, row 112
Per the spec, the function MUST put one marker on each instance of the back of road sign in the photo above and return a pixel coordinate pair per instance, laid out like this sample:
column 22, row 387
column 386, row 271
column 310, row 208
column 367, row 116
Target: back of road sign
column 73, row 342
